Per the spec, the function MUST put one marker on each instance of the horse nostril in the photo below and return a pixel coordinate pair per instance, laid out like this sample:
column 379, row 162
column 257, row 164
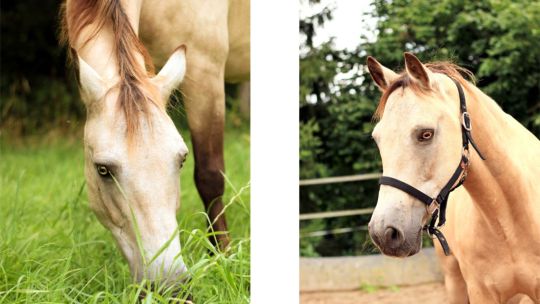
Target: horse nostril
column 393, row 237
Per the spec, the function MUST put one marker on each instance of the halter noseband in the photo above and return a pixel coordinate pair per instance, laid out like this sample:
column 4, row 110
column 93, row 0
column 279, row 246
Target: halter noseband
column 437, row 205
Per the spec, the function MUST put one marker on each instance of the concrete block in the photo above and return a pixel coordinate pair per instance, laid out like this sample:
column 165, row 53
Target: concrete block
column 349, row 273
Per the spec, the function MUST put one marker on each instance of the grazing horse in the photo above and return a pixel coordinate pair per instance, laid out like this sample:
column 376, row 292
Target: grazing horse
column 428, row 115
column 133, row 152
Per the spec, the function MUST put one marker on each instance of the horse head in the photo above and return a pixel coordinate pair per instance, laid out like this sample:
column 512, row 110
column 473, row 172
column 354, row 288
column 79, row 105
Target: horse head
column 419, row 137
column 133, row 174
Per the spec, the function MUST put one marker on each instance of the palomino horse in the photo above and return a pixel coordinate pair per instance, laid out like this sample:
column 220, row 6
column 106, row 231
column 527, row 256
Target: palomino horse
column 133, row 151
column 493, row 227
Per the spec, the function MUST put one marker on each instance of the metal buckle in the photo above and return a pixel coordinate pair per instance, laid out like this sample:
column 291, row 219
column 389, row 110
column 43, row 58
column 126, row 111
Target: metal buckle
column 466, row 123
column 466, row 153
column 433, row 207
column 465, row 164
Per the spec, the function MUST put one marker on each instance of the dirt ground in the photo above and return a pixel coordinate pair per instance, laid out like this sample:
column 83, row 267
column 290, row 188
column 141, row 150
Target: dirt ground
column 426, row 293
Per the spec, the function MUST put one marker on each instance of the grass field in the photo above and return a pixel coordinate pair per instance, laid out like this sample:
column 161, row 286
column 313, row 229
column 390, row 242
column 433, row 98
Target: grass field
column 53, row 250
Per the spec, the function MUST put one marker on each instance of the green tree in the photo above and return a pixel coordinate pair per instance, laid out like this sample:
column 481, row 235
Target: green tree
column 335, row 124
column 499, row 41
column 36, row 89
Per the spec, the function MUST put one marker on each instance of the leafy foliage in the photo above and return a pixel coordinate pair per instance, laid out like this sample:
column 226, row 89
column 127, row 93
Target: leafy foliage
column 38, row 90
column 499, row 41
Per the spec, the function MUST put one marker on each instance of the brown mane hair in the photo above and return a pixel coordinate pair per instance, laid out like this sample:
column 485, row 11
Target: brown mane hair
column 135, row 92
column 404, row 81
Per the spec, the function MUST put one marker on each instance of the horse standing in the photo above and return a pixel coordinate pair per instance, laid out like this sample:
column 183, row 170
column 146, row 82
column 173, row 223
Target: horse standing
column 133, row 152
column 493, row 226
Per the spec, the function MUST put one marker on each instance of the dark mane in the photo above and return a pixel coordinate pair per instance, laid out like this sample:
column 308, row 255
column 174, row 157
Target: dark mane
column 135, row 93
column 404, row 81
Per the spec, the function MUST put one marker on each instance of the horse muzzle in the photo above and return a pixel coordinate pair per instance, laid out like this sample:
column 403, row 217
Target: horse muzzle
column 395, row 241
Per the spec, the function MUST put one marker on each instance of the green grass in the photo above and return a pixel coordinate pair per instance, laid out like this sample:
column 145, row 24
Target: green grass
column 369, row 288
column 53, row 249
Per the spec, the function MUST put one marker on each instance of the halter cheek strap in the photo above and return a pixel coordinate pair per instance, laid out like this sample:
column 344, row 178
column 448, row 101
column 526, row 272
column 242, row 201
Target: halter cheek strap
column 437, row 205
column 466, row 125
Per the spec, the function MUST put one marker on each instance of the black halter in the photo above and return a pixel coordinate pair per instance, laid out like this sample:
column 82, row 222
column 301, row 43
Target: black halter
column 437, row 205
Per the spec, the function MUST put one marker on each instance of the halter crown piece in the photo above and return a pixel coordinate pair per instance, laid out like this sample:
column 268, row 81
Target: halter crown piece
column 437, row 205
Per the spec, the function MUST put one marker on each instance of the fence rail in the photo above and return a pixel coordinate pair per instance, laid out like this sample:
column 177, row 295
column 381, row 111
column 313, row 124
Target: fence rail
column 329, row 214
column 332, row 231
column 340, row 213
column 339, row 179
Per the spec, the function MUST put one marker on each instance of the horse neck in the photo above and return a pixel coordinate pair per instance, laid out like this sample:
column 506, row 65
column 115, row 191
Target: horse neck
column 501, row 185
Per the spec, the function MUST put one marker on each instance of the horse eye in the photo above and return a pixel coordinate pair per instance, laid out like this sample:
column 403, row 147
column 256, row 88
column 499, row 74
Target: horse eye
column 103, row 171
column 426, row 134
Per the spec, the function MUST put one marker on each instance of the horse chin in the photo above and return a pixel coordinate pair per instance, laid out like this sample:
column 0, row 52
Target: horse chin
column 401, row 252
column 415, row 250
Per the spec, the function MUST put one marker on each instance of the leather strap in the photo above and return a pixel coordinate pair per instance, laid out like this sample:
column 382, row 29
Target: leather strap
column 396, row 183
column 466, row 124
column 442, row 240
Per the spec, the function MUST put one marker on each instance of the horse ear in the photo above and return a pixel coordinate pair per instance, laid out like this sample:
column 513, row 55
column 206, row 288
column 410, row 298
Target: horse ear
column 417, row 70
column 382, row 75
column 172, row 73
column 92, row 85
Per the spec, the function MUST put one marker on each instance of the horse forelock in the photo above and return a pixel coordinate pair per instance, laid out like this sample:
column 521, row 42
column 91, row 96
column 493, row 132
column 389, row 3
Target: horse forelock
column 135, row 91
column 405, row 81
